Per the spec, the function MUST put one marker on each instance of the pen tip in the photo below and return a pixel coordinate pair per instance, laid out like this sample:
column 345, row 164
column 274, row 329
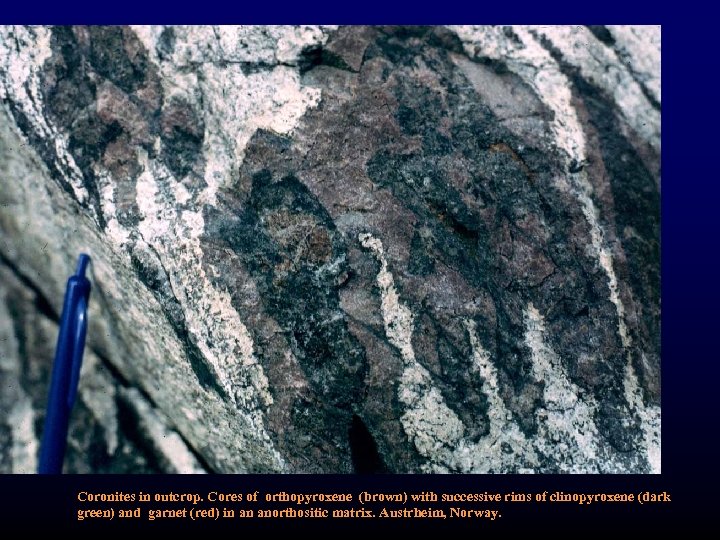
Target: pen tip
column 83, row 262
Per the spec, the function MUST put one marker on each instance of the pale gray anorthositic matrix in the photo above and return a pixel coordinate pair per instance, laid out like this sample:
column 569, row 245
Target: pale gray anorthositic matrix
column 336, row 249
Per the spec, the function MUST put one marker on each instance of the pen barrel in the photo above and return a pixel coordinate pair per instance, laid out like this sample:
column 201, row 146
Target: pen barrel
column 64, row 376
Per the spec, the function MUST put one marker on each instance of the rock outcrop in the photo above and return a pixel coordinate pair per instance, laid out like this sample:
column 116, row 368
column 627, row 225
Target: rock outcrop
column 321, row 249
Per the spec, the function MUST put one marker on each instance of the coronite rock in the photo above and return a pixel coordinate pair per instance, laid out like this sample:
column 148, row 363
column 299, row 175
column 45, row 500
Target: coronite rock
column 336, row 249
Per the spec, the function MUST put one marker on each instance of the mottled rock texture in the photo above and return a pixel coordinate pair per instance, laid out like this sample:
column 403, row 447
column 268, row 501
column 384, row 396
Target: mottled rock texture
column 322, row 249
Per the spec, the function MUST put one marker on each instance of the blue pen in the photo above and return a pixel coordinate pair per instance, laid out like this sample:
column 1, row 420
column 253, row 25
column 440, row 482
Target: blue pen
column 66, row 370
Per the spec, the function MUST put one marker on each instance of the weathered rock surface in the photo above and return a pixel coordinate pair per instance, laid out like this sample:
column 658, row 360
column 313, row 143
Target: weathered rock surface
column 336, row 249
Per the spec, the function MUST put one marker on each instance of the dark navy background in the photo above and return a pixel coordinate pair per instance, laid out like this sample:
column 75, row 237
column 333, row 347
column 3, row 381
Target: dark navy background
column 690, row 292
